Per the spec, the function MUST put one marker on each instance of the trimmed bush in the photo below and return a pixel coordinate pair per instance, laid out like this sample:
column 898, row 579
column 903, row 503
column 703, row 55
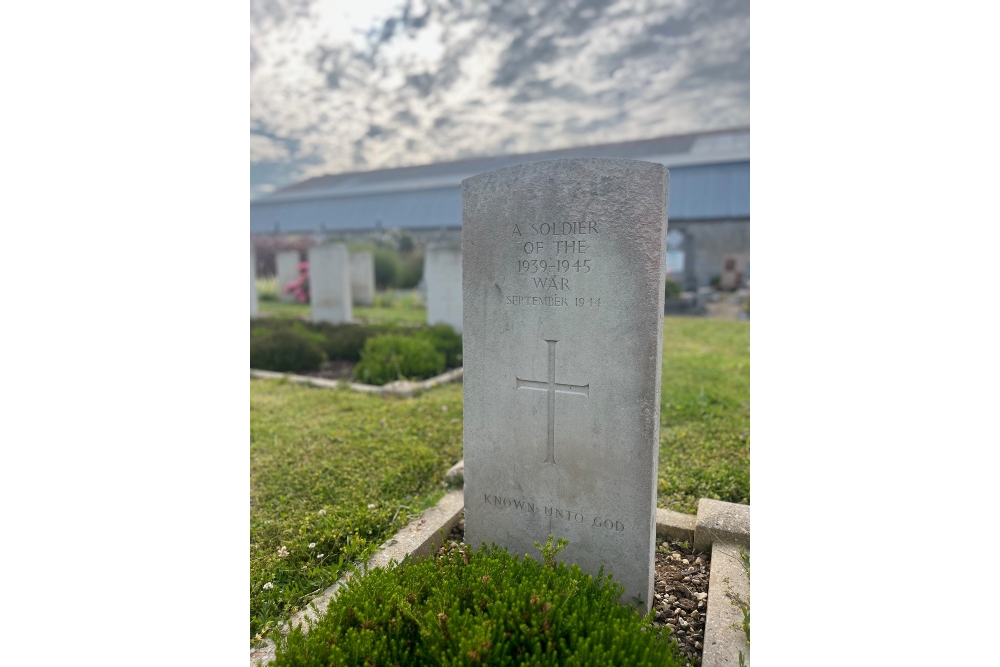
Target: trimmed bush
column 345, row 341
column 392, row 357
column 285, row 350
column 484, row 608
column 412, row 271
column 446, row 341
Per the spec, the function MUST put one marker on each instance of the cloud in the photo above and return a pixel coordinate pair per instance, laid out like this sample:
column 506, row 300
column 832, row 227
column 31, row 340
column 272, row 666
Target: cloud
column 343, row 86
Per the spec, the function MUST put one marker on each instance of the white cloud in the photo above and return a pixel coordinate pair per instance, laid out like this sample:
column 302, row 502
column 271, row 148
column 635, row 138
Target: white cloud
column 462, row 78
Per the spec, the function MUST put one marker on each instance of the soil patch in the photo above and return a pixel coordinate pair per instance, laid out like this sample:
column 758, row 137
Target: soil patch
column 680, row 591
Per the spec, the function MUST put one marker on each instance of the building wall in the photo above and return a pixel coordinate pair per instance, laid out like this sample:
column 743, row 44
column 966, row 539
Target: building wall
column 706, row 243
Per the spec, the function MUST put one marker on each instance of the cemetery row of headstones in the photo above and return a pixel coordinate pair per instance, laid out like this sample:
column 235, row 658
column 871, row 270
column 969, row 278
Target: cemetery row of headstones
column 339, row 279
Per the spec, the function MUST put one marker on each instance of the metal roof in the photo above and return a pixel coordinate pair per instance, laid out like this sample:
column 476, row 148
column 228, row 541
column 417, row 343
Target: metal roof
column 709, row 179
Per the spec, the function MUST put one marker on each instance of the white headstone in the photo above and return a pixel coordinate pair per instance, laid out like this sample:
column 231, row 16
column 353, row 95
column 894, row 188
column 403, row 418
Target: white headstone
column 330, row 283
column 287, row 265
column 443, row 277
column 563, row 284
column 254, row 309
column 362, row 278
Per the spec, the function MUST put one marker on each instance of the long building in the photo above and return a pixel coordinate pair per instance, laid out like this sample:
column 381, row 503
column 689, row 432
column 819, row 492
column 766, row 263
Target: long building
column 708, row 214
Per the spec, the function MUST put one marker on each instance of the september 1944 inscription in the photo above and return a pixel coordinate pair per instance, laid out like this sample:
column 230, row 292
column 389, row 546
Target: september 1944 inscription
column 563, row 270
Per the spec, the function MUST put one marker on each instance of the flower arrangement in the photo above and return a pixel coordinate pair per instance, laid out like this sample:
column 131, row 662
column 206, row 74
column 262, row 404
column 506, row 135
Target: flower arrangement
column 300, row 287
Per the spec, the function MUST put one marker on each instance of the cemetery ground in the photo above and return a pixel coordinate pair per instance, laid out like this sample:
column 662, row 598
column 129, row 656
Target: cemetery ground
column 335, row 473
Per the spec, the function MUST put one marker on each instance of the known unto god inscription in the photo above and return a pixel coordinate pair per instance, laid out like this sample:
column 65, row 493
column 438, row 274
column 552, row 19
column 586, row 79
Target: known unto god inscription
column 563, row 270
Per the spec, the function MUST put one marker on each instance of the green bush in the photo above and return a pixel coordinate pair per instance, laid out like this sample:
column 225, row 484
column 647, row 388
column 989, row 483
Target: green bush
column 445, row 340
column 285, row 350
column 388, row 267
column 411, row 271
column 672, row 290
column 393, row 357
column 479, row 608
column 345, row 341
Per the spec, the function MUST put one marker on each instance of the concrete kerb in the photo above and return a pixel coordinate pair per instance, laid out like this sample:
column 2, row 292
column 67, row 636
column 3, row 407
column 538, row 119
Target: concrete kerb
column 418, row 538
column 398, row 388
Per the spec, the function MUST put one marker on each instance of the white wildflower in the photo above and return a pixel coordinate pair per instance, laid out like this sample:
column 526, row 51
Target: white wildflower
column 312, row 545
column 371, row 506
column 321, row 512
column 268, row 586
column 282, row 552
column 320, row 555
column 444, row 408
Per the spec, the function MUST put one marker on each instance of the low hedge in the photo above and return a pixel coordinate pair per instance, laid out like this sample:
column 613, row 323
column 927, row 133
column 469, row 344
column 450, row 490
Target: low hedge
column 347, row 342
column 484, row 608
column 393, row 357
column 285, row 350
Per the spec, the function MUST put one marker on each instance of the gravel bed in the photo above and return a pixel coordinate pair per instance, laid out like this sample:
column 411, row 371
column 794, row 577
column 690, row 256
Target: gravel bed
column 680, row 591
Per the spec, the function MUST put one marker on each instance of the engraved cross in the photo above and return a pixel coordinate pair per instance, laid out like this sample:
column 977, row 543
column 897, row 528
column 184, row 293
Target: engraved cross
column 551, row 387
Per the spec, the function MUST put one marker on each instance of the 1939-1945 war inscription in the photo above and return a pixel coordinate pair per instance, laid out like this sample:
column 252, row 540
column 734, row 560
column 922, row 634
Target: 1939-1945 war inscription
column 563, row 270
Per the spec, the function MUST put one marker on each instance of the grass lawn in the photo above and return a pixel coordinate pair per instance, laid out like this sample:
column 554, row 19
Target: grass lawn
column 344, row 471
column 397, row 314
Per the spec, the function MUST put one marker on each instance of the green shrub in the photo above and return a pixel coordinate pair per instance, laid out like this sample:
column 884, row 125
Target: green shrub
column 285, row 350
column 344, row 341
column 411, row 272
column 446, row 341
column 387, row 267
column 672, row 290
column 479, row 608
column 393, row 357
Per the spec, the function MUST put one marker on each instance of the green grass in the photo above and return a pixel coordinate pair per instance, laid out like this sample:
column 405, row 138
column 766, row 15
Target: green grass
column 704, row 413
column 400, row 312
column 339, row 451
column 336, row 452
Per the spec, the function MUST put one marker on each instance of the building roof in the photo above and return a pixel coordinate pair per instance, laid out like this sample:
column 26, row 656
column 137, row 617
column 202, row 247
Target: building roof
column 709, row 178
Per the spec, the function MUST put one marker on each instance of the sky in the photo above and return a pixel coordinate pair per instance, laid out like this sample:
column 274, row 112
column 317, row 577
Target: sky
column 341, row 86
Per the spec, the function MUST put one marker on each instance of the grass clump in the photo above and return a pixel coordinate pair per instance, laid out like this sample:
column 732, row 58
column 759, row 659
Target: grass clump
column 484, row 608
column 393, row 357
column 333, row 474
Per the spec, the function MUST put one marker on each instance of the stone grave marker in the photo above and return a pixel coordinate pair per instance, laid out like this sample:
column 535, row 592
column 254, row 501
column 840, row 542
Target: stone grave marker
column 563, row 279
column 254, row 307
column 443, row 279
column 287, row 265
column 330, row 283
column 362, row 278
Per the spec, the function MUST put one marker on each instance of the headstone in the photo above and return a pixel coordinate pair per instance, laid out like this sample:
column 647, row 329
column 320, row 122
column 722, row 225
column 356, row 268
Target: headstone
column 254, row 308
column 362, row 278
column 330, row 283
column 443, row 276
column 735, row 269
column 563, row 286
column 287, row 264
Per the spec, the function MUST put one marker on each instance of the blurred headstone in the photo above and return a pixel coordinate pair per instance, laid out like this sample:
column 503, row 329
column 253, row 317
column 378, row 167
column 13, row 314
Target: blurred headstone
column 362, row 278
column 287, row 266
column 443, row 276
column 254, row 308
column 330, row 283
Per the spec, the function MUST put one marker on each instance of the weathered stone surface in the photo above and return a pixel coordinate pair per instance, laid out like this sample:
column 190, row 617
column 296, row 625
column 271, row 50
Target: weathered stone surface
column 675, row 524
column 362, row 278
column 718, row 520
column 443, row 277
column 330, row 283
column 728, row 587
column 287, row 265
column 254, row 309
column 563, row 325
